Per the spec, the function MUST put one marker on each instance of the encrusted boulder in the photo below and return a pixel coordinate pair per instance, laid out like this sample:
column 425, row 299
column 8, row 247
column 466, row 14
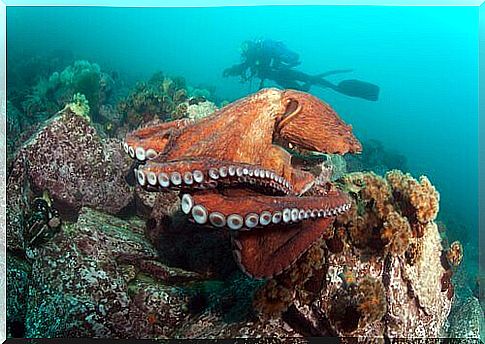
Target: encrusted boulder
column 100, row 277
column 383, row 274
column 74, row 165
column 401, row 300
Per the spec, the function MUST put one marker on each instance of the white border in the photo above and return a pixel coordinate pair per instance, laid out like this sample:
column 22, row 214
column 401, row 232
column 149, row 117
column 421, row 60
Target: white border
column 150, row 3
column 229, row 3
column 3, row 173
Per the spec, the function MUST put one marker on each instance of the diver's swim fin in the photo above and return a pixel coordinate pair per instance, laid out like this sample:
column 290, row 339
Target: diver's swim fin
column 358, row 89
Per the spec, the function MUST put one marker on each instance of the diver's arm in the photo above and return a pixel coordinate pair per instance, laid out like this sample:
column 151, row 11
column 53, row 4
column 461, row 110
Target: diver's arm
column 235, row 70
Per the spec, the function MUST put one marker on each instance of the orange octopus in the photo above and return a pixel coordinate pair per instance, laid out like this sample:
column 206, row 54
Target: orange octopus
column 235, row 170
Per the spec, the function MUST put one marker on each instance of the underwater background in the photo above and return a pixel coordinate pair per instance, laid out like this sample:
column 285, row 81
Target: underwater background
column 424, row 60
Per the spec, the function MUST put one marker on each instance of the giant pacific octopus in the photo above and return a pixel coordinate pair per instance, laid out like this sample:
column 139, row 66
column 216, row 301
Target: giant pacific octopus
column 235, row 170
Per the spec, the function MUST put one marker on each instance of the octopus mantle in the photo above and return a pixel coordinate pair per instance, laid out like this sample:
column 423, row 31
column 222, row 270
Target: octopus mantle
column 234, row 169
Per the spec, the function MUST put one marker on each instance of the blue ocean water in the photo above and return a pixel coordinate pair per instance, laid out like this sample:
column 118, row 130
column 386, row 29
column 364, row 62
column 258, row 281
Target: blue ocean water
column 424, row 60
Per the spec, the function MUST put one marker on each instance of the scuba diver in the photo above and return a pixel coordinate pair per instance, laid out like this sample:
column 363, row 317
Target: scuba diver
column 262, row 55
column 271, row 60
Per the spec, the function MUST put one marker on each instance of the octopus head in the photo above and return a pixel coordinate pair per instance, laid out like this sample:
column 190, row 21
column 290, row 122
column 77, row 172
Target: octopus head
column 305, row 123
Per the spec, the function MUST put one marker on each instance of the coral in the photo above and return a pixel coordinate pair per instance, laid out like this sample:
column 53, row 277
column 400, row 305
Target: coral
column 194, row 92
column 180, row 111
column 71, row 74
column 86, row 78
column 25, row 68
column 388, row 211
column 396, row 233
column 163, row 98
column 371, row 300
column 358, row 305
column 52, row 94
column 272, row 299
column 159, row 98
column 343, row 312
column 369, row 211
column 454, row 254
column 379, row 266
column 180, row 95
column 422, row 196
column 201, row 110
column 80, row 106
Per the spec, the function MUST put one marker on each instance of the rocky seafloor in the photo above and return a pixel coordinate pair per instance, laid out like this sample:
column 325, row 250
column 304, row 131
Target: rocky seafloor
column 90, row 254
column 118, row 262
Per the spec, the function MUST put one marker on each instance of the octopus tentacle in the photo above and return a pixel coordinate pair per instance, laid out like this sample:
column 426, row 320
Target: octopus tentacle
column 247, row 213
column 146, row 143
column 264, row 254
column 203, row 173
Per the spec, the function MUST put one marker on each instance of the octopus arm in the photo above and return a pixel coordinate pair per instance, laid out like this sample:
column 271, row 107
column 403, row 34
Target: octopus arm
column 203, row 172
column 146, row 143
column 258, row 212
column 268, row 253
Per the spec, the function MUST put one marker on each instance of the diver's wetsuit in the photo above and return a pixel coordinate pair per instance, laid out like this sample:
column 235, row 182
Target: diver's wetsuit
column 290, row 78
column 278, row 54
column 262, row 56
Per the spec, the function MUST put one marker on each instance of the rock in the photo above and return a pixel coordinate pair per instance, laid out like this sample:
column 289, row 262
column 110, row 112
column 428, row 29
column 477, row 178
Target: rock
column 101, row 278
column 209, row 326
column 106, row 277
column 68, row 159
column 371, row 286
column 18, row 271
column 14, row 128
column 189, row 246
column 169, row 230
column 412, row 302
column 466, row 319
column 146, row 201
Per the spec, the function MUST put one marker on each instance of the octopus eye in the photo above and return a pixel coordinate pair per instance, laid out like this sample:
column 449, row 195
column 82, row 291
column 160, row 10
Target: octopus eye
column 292, row 109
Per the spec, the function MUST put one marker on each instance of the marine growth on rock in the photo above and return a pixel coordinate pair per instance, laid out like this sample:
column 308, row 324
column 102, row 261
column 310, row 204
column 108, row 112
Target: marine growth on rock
column 379, row 270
